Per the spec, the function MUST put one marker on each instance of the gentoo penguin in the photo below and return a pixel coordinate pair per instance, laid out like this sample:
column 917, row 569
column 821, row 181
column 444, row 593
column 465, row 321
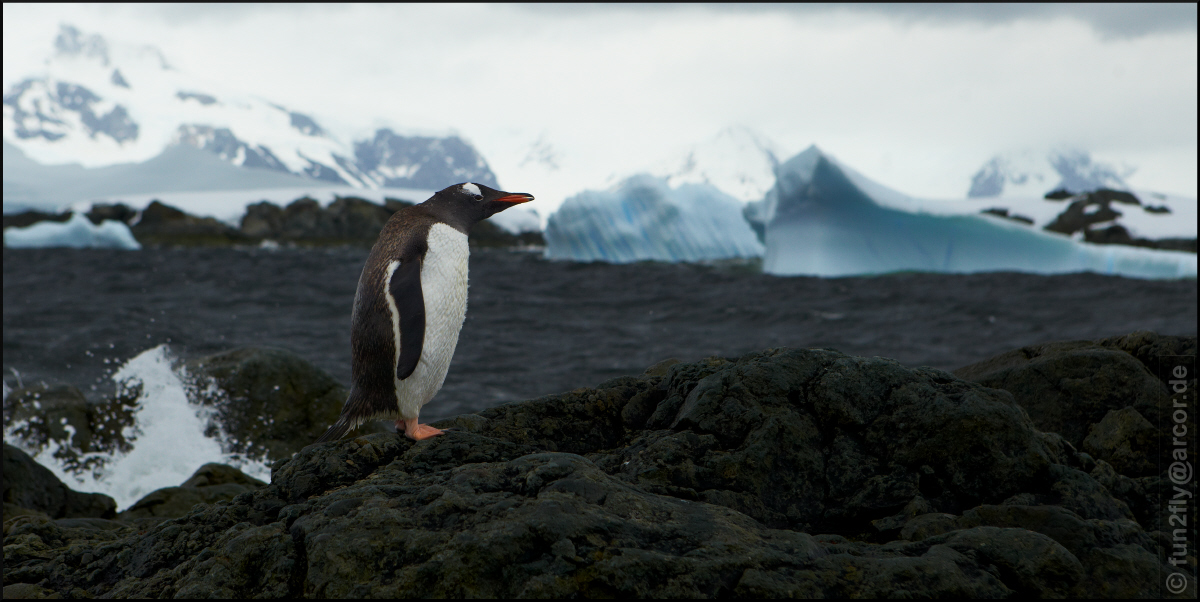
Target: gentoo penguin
column 410, row 305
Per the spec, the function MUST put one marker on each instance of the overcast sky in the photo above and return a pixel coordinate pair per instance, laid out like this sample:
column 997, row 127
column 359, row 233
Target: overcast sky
column 917, row 97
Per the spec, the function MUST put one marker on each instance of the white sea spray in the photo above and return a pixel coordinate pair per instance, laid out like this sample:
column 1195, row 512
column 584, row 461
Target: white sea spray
column 167, row 436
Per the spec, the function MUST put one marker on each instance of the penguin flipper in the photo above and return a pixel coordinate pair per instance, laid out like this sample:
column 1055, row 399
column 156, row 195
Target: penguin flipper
column 405, row 289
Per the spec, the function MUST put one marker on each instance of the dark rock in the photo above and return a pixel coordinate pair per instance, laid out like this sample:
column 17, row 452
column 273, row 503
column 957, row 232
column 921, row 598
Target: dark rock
column 269, row 403
column 1059, row 194
column 1001, row 212
column 694, row 479
column 1116, row 234
column 112, row 211
column 1081, row 214
column 210, row 484
column 352, row 220
column 1068, row 387
column 32, row 486
column 29, row 218
column 1093, row 208
column 1151, row 349
column 355, row 218
column 263, row 219
column 487, row 234
column 1126, row 440
column 1118, row 196
column 160, row 224
column 83, row 433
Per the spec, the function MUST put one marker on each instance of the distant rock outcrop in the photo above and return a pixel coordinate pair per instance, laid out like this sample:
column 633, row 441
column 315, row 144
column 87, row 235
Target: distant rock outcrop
column 801, row 473
column 346, row 221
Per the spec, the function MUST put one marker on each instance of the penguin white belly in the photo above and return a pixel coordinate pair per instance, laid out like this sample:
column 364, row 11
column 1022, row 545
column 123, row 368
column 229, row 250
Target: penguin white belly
column 444, row 289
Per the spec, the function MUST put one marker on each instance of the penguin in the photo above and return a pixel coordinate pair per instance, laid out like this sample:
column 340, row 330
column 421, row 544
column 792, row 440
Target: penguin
column 410, row 305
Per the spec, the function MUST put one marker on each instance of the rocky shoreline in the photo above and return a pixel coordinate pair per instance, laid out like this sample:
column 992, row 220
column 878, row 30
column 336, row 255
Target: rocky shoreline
column 785, row 472
column 303, row 222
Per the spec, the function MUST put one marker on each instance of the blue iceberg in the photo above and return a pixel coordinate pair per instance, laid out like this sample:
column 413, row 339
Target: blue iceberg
column 643, row 218
column 77, row 232
column 824, row 219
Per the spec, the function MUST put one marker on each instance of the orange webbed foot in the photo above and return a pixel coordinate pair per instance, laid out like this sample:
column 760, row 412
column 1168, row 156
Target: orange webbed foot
column 415, row 431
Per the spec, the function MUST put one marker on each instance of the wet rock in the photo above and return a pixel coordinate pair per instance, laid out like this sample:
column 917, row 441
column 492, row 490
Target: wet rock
column 31, row 486
column 210, row 484
column 1153, row 350
column 1126, row 440
column 268, row 403
column 81, row 433
column 1068, row 387
column 698, row 479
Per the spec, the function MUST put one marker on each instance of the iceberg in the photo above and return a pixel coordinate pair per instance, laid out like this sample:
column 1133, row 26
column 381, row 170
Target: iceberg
column 825, row 219
column 77, row 232
column 643, row 218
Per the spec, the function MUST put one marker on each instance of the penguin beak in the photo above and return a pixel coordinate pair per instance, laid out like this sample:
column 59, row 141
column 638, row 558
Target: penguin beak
column 515, row 198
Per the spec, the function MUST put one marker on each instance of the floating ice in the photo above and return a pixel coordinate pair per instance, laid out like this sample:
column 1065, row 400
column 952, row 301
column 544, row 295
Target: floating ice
column 517, row 220
column 77, row 232
column 642, row 218
column 168, row 441
column 825, row 219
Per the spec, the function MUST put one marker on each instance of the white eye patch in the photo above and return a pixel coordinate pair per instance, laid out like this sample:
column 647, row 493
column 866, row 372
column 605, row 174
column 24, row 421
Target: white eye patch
column 471, row 189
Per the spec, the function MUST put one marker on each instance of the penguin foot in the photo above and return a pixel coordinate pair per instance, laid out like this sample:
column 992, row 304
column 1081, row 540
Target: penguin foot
column 417, row 432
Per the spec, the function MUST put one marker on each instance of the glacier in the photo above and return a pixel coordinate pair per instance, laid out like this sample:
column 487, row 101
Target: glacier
column 823, row 218
column 644, row 218
column 77, row 232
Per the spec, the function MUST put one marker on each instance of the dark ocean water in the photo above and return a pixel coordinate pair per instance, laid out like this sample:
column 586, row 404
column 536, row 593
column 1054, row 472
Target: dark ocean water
column 536, row 327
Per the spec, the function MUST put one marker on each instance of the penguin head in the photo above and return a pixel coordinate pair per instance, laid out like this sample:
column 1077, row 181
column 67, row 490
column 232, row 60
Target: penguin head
column 470, row 203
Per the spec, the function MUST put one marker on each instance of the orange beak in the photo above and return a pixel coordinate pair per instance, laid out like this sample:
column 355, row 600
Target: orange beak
column 516, row 198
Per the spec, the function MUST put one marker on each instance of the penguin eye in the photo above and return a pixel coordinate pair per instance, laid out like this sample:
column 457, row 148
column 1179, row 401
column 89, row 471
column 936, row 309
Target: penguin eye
column 478, row 197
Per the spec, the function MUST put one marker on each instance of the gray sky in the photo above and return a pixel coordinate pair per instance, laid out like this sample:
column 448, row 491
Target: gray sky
column 917, row 97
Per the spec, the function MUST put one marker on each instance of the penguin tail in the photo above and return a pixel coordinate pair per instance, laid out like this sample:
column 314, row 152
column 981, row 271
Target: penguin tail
column 337, row 431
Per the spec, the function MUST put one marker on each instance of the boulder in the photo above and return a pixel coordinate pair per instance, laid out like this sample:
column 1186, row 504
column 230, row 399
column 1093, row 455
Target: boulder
column 210, row 484
column 30, row 489
column 699, row 479
column 1126, row 440
column 1068, row 387
column 268, row 403
column 82, row 433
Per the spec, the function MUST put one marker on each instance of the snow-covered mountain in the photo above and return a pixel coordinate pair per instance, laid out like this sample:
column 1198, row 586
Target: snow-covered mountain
column 645, row 218
column 98, row 103
column 1029, row 173
column 737, row 160
column 823, row 218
